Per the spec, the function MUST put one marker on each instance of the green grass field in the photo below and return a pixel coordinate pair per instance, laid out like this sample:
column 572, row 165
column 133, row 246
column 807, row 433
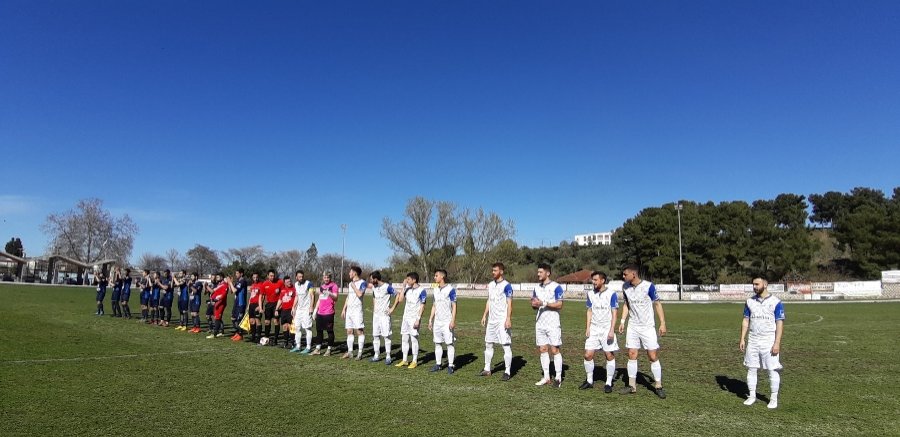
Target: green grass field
column 64, row 371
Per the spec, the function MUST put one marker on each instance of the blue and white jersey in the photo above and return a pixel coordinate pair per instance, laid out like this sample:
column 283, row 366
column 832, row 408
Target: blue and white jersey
column 382, row 297
column 444, row 297
column 601, row 304
column 354, row 302
column 302, row 302
column 498, row 293
column 763, row 313
column 414, row 300
column 550, row 292
column 640, row 300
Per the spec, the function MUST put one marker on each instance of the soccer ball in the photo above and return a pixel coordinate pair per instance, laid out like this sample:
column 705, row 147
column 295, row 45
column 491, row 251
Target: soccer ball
column 264, row 341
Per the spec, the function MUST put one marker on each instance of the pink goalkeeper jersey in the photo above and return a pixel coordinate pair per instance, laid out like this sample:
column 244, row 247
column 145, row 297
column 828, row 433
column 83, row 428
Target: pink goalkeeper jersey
column 326, row 301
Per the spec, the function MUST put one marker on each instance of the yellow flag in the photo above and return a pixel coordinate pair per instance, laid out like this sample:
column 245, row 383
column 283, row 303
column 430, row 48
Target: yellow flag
column 245, row 323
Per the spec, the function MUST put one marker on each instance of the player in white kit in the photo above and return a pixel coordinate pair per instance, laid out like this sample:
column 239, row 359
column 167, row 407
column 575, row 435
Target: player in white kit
column 497, row 321
column 442, row 321
column 414, row 296
column 764, row 320
column 381, row 316
column 353, row 313
column 547, row 299
column 641, row 300
column 303, row 312
column 602, row 308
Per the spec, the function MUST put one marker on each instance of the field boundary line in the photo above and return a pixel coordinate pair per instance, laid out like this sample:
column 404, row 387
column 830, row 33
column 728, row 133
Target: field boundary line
column 108, row 357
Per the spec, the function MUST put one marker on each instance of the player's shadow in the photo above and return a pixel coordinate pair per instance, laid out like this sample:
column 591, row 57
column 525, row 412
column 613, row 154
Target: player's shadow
column 517, row 364
column 600, row 373
column 464, row 360
column 737, row 387
column 642, row 378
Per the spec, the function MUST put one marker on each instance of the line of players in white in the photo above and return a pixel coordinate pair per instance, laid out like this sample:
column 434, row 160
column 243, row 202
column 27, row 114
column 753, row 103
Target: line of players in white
column 763, row 320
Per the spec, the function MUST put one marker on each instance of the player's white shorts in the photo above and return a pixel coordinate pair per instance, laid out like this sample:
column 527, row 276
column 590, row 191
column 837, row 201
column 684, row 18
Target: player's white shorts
column 443, row 334
column 600, row 341
column 548, row 336
column 302, row 320
column 407, row 327
column 354, row 319
column 641, row 337
column 381, row 325
column 759, row 355
column 497, row 333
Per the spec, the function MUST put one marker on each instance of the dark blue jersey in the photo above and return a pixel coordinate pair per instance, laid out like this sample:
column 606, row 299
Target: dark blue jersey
column 240, row 293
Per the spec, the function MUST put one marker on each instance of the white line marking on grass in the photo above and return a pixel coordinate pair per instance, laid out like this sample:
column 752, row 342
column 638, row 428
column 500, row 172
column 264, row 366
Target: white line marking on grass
column 110, row 357
column 792, row 325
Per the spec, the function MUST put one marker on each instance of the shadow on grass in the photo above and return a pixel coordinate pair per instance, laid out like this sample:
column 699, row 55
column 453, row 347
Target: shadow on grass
column 517, row 364
column 464, row 360
column 737, row 387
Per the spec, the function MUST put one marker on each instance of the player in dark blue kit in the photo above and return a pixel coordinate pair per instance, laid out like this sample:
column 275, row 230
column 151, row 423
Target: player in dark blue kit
column 146, row 286
column 126, row 293
column 181, row 284
column 238, row 287
column 195, row 293
column 167, row 297
column 116, row 280
column 101, row 292
column 154, row 298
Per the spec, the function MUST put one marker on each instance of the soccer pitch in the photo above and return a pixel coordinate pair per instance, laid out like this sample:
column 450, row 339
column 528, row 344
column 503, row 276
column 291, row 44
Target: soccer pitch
column 64, row 371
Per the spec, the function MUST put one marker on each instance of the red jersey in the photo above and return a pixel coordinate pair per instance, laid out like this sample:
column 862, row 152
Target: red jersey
column 254, row 293
column 219, row 295
column 271, row 290
column 287, row 297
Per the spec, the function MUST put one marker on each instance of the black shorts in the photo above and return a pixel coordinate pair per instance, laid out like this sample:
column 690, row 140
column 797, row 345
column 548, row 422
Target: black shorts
column 270, row 311
column 252, row 310
column 209, row 308
column 286, row 317
column 325, row 323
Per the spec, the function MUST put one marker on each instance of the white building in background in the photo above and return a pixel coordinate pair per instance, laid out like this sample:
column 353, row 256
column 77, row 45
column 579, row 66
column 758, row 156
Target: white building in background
column 604, row 238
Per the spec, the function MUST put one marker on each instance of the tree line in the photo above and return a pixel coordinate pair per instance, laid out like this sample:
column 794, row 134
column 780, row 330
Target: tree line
column 830, row 236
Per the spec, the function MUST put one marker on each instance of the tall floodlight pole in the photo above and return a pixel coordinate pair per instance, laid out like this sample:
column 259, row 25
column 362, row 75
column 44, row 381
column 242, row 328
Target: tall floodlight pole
column 678, row 208
column 343, row 245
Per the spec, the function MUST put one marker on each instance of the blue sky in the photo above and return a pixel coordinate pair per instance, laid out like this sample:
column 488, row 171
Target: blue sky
column 238, row 123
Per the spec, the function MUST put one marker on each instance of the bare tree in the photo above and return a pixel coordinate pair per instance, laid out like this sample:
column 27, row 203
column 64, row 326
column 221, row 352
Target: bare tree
column 287, row 262
column 245, row 255
column 203, row 260
column 89, row 233
column 429, row 233
column 152, row 262
column 482, row 234
column 175, row 260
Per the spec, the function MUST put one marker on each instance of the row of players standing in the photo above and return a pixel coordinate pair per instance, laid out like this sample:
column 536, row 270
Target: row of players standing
column 285, row 304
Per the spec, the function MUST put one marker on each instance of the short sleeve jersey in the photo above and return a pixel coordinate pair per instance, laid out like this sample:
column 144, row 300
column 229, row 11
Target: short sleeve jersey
column 763, row 315
column 415, row 299
column 551, row 292
column 271, row 290
column 601, row 304
column 381, row 294
column 240, row 292
column 444, row 297
column 255, row 290
column 303, row 301
column 498, row 293
column 287, row 296
column 354, row 302
column 640, row 300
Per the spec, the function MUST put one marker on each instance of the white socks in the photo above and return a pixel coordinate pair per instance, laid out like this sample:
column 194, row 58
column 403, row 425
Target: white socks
column 545, row 364
column 632, row 372
column 610, row 371
column 376, row 345
column 361, row 338
column 589, row 369
column 438, row 354
column 489, row 355
column 404, row 346
column 774, row 382
column 656, row 369
column 415, row 347
column 557, row 364
column 451, row 354
column 387, row 347
column 507, row 358
column 350, row 343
